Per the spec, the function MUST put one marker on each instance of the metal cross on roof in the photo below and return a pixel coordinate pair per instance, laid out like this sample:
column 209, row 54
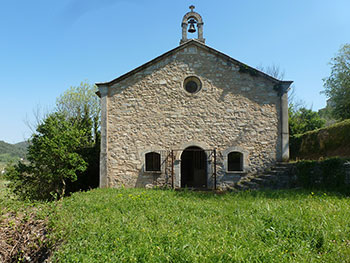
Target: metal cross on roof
column 192, row 7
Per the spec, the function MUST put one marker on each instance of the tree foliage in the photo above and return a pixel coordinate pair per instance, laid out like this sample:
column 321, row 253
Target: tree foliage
column 326, row 114
column 302, row 120
column 54, row 159
column 12, row 152
column 273, row 71
column 276, row 72
column 337, row 85
column 64, row 151
column 80, row 102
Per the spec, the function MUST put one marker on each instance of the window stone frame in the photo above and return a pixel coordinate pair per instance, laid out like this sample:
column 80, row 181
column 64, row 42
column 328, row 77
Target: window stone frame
column 245, row 163
column 195, row 79
column 143, row 158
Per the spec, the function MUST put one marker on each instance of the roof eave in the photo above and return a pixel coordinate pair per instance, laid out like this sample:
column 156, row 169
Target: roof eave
column 143, row 66
column 196, row 42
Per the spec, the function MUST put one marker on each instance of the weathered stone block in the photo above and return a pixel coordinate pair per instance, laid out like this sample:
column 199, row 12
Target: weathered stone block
column 150, row 110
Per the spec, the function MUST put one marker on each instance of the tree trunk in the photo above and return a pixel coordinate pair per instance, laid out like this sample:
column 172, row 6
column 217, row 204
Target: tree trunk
column 63, row 189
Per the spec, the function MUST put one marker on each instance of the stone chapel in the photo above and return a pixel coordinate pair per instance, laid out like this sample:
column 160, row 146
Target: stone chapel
column 192, row 117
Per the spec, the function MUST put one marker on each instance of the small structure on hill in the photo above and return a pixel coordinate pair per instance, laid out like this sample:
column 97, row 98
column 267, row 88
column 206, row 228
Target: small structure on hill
column 192, row 117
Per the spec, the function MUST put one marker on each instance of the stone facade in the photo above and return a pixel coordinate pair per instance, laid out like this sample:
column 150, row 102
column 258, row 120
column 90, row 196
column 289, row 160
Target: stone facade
column 237, row 109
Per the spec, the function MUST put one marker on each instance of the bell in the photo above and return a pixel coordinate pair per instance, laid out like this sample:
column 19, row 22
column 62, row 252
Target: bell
column 192, row 28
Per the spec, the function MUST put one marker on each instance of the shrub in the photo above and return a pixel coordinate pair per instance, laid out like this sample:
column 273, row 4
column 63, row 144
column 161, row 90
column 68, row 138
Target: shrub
column 328, row 174
column 54, row 159
column 326, row 142
column 302, row 120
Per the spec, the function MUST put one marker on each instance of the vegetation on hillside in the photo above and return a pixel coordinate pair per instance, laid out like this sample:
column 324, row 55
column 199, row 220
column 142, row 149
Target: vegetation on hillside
column 327, row 174
column 64, row 150
column 326, row 114
column 326, row 142
column 307, row 140
column 12, row 152
column 23, row 228
column 302, row 120
column 337, row 85
column 137, row 225
column 53, row 158
column 81, row 102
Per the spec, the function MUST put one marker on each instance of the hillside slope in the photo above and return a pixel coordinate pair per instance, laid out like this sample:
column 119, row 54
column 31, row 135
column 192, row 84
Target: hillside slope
column 12, row 152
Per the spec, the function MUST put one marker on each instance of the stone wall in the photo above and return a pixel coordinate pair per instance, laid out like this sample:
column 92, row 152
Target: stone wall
column 331, row 174
column 326, row 142
column 150, row 111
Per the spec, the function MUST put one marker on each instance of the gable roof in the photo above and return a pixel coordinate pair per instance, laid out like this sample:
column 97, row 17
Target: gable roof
column 200, row 45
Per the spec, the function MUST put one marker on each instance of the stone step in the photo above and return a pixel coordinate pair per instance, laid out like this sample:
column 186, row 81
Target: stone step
column 283, row 164
column 231, row 188
column 280, row 169
column 240, row 187
column 247, row 177
column 251, row 185
column 229, row 183
column 258, row 180
column 271, row 172
column 267, row 176
column 272, row 178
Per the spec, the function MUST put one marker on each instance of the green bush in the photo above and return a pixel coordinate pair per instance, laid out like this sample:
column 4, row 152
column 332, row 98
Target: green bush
column 302, row 120
column 337, row 85
column 328, row 174
column 326, row 142
column 54, row 159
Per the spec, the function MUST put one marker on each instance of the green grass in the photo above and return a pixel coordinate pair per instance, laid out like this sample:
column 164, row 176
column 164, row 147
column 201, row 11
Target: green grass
column 2, row 167
column 137, row 225
column 9, row 203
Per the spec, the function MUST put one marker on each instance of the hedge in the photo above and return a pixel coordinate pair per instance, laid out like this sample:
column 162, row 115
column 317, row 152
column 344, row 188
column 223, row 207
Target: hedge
column 328, row 174
column 326, row 142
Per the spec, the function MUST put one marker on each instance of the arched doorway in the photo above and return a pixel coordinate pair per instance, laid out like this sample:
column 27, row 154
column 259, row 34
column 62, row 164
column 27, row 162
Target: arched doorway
column 194, row 168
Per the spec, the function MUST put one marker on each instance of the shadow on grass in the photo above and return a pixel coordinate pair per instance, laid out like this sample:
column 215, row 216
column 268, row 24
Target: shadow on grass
column 267, row 194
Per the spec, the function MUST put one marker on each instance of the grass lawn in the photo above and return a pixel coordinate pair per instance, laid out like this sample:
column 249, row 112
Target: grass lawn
column 138, row 225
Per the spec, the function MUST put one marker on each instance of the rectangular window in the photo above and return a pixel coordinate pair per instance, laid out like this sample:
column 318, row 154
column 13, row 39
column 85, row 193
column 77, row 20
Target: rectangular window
column 152, row 162
column 235, row 161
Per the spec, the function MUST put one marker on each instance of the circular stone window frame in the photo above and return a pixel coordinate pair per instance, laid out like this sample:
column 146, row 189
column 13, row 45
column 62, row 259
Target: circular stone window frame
column 195, row 79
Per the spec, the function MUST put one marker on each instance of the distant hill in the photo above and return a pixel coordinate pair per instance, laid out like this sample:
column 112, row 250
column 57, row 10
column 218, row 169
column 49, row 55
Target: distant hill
column 12, row 152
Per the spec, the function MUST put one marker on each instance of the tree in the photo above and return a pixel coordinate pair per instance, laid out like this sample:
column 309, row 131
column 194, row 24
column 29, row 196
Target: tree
column 337, row 85
column 326, row 114
column 54, row 159
column 277, row 73
column 80, row 102
column 302, row 120
column 273, row 71
column 64, row 149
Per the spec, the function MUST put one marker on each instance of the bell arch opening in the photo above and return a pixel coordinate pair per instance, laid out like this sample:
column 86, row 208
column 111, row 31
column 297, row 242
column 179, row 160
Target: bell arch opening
column 192, row 21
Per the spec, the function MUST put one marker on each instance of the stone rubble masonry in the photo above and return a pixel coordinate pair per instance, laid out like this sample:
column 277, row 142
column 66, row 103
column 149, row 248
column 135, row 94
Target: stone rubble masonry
column 150, row 110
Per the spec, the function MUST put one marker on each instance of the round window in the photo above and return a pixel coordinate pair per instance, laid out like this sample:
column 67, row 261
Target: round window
column 192, row 84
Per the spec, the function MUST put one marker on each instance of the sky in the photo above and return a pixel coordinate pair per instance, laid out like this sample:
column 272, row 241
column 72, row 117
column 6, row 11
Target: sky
column 48, row 46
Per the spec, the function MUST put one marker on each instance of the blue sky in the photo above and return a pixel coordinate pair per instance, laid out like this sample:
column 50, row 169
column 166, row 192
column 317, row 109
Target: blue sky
column 48, row 46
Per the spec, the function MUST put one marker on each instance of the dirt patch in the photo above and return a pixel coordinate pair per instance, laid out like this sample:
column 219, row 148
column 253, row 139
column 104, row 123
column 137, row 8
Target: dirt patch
column 23, row 238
